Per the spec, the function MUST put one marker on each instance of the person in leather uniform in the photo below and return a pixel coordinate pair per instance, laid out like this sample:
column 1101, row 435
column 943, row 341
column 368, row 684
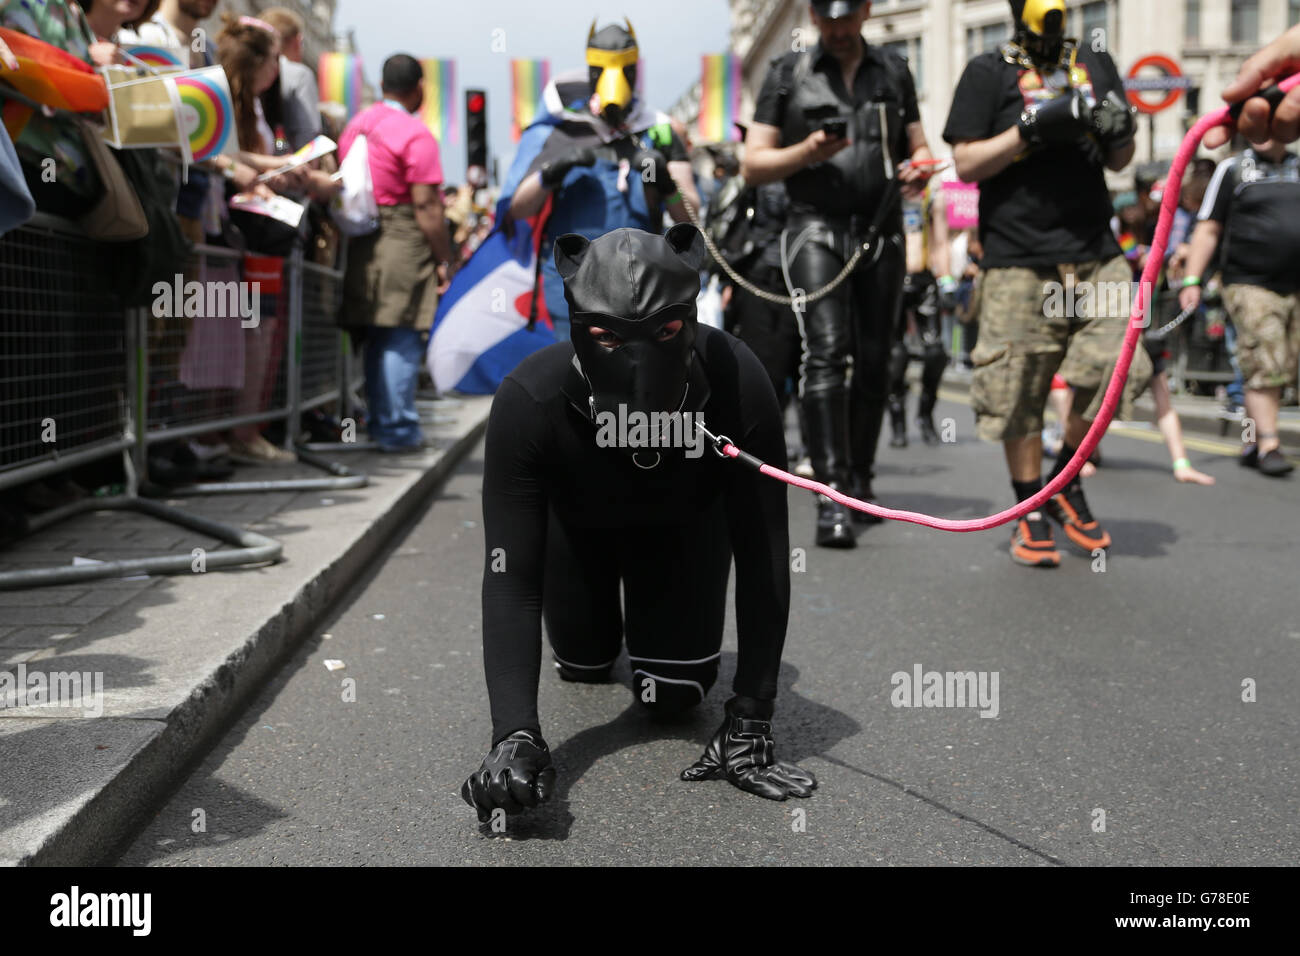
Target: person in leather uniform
column 837, row 122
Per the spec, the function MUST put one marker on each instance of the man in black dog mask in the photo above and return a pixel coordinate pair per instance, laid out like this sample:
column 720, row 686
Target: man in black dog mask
column 596, row 478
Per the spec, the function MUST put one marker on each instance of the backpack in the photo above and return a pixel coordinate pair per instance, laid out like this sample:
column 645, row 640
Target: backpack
column 354, row 209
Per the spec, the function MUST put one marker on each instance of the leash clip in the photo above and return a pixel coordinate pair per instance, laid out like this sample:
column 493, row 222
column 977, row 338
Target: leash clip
column 717, row 441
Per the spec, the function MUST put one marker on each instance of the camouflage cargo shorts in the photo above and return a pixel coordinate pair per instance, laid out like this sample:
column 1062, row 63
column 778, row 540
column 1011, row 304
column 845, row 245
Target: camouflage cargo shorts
column 1035, row 322
column 1268, row 334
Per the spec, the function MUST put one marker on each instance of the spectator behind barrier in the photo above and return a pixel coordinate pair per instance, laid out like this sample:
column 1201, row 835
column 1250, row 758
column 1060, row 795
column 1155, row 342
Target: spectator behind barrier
column 299, row 101
column 75, row 185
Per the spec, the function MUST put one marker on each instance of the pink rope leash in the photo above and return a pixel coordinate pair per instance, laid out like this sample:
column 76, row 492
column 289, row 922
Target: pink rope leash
column 1155, row 261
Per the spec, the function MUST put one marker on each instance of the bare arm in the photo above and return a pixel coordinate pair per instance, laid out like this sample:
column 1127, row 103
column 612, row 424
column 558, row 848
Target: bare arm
column 684, row 178
column 1119, row 158
column 940, row 253
column 427, row 201
column 767, row 161
column 980, row 159
column 529, row 198
column 1205, row 239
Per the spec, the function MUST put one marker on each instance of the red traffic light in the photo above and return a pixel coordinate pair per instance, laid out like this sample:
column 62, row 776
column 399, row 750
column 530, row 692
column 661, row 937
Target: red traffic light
column 474, row 102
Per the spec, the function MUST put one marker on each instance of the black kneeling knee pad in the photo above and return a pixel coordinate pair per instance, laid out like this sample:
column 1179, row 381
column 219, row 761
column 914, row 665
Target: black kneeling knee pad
column 670, row 688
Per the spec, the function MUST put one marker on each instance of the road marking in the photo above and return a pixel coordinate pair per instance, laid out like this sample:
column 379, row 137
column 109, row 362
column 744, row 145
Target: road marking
column 1142, row 431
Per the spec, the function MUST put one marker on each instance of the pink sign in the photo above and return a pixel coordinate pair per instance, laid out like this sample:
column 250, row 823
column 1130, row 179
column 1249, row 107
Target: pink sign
column 963, row 202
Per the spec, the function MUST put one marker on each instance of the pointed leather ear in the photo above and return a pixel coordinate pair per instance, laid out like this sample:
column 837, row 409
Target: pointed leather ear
column 570, row 250
column 591, row 34
column 688, row 243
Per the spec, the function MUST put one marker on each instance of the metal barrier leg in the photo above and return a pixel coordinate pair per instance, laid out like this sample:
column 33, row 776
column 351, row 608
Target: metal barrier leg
column 249, row 546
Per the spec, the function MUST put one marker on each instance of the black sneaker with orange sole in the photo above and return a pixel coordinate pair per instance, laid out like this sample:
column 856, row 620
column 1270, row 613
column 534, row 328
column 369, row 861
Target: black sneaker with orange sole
column 1032, row 544
column 1070, row 510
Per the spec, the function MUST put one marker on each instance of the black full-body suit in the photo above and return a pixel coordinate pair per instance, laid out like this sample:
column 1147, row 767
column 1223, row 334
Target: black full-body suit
column 574, row 521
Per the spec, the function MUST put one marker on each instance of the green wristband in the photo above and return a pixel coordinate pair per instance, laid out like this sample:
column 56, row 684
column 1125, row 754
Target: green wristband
column 1182, row 463
column 675, row 197
column 1191, row 281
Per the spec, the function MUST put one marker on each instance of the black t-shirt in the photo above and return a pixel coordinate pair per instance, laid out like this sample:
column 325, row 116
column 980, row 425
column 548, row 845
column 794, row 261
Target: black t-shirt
column 1051, row 204
column 541, row 455
column 853, row 180
column 1258, row 203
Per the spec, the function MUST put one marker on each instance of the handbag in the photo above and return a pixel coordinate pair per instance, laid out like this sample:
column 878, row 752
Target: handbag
column 117, row 216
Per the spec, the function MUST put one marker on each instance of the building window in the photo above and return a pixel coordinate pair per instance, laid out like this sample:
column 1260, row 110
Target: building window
column 1245, row 22
column 1095, row 17
column 910, row 49
column 1192, row 21
column 986, row 38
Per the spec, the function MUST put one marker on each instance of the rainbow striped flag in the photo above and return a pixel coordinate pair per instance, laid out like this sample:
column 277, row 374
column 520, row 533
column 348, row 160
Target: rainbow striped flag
column 439, row 111
column 719, row 97
column 528, row 78
column 340, row 80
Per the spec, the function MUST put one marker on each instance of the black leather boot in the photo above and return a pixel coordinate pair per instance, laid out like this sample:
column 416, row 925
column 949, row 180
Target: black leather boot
column 925, row 419
column 826, row 425
column 860, row 488
column 898, row 423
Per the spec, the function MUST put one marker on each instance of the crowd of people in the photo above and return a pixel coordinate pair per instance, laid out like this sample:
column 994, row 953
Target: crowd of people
column 197, row 370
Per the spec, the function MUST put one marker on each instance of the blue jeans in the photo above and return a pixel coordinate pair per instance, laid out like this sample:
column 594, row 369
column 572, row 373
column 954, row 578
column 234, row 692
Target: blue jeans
column 392, row 362
column 1237, row 387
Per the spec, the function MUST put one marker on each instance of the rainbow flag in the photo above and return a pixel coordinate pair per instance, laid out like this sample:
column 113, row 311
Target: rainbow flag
column 528, row 78
column 439, row 112
column 340, row 80
column 719, row 97
column 52, row 76
column 207, row 113
column 157, row 57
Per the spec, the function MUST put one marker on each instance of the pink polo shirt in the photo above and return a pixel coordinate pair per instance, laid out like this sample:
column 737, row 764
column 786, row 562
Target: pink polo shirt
column 401, row 148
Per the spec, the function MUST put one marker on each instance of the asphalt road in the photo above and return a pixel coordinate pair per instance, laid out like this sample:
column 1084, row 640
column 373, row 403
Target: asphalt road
column 1118, row 691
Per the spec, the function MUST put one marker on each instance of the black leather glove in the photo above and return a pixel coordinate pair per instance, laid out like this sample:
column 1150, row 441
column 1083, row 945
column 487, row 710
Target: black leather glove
column 1058, row 122
column 652, row 166
column 1114, row 121
column 742, row 751
column 553, row 172
column 516, row 775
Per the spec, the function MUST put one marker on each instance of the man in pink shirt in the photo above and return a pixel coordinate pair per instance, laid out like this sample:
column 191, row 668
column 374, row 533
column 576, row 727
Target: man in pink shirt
column 390, row 290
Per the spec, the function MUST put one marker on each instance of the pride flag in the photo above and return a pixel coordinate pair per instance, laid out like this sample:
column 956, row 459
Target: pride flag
column 528, row 78
column 719, row 97
column 207, row 113
column 340, row 80
column 159, row 58
column 439, row 112
column 52, row 76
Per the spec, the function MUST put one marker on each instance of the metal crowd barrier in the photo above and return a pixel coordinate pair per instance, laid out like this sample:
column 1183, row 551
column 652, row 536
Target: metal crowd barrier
column 71, row 395
column 249, row 359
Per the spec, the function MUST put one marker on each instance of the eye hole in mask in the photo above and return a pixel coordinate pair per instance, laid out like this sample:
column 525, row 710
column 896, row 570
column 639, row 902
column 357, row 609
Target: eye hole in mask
column 609, row 340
